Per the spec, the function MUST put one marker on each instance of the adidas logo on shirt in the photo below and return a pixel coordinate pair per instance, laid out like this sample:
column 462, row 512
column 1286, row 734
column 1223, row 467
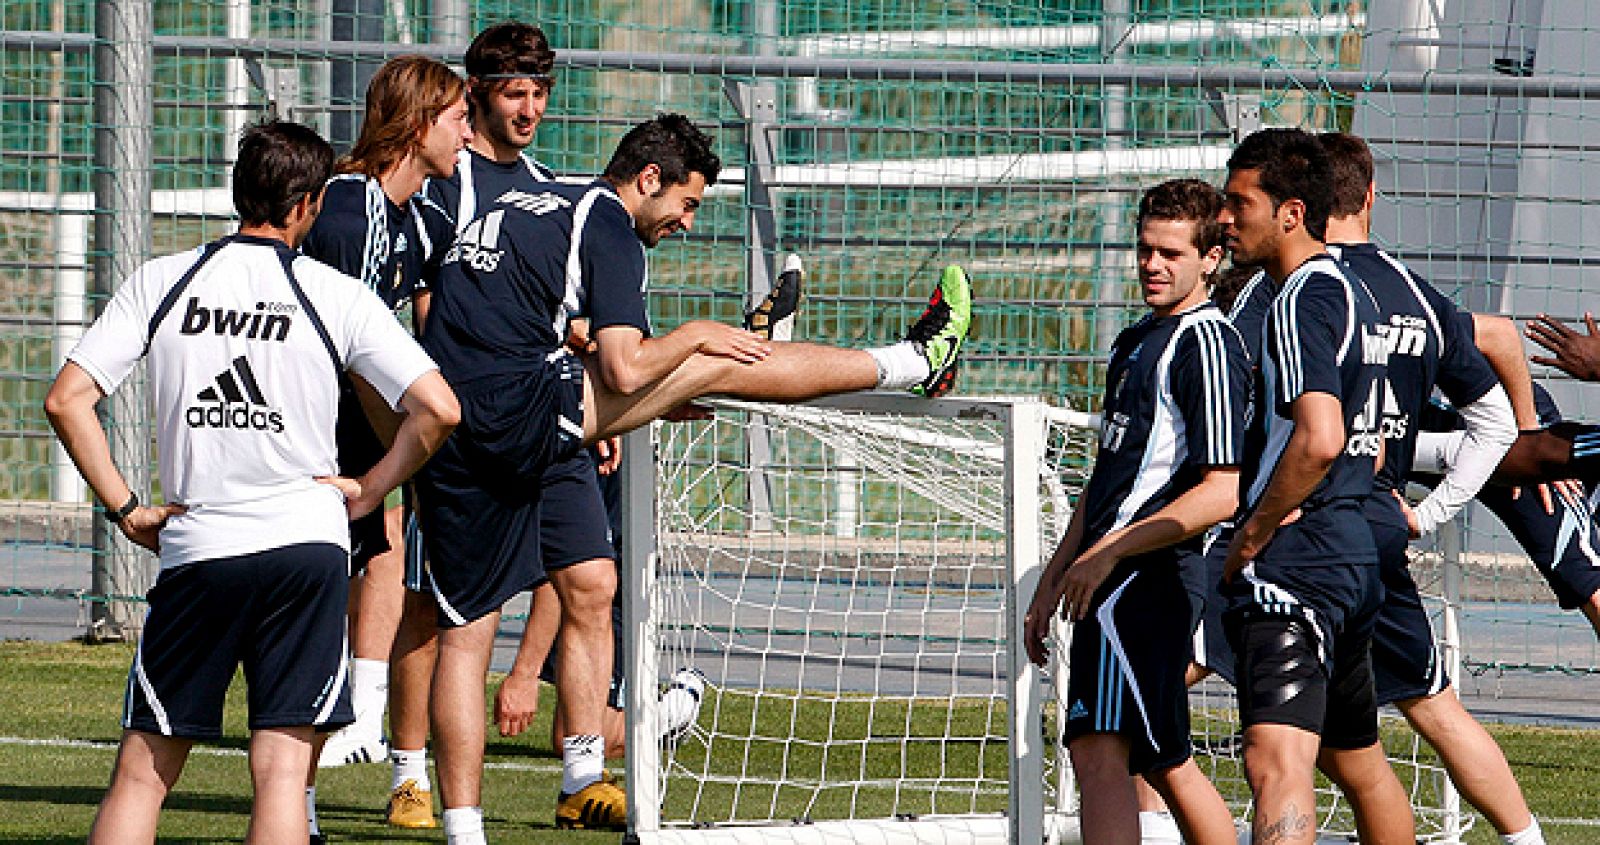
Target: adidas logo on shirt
column 1078, row 711
column 238, row 403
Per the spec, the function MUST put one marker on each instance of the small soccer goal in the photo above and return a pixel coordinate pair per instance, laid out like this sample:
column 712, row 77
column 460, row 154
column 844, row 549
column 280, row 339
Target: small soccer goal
column 849, row 576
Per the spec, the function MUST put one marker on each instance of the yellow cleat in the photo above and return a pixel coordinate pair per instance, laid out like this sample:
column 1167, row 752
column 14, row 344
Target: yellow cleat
column 411, row 807
column 601, row 805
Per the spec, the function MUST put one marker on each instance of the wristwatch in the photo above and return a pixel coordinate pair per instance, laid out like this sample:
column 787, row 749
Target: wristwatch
column 121, row 513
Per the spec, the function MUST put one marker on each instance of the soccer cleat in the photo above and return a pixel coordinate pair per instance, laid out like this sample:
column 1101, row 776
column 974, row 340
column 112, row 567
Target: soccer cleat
column 601, row 805
column 411, row 807
column 347, row 746
column 318, row 839
column 781, row 302
column 940, row 331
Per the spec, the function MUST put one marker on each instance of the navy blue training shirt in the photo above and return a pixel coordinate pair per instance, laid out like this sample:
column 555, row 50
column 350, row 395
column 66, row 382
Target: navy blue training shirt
column 478, row 182
column 1177, row 394
column 526, row 266
column 362, row 234
column 1428, row 348
column 1321, row 335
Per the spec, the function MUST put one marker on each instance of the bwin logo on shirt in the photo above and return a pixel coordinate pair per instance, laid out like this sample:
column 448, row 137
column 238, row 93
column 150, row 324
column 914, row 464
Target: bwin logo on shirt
column 236, row 402
column 270, row 320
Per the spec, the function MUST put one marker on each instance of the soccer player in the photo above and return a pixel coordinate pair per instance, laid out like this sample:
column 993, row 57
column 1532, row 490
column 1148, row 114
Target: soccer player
column 1300, row 576
column 373, row 227
column 1177, row 395
column 246, row 340
column 1431, row 345
column 510, row 284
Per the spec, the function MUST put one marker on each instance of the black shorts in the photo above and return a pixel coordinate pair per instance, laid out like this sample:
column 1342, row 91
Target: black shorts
column 359, row 450
column 479, row 496
column 1202, row 576
column 1128, row 659
column 1565, row 546
column 280, row 612
column 1321, row 572
column 1406, row 662
column 574, row 524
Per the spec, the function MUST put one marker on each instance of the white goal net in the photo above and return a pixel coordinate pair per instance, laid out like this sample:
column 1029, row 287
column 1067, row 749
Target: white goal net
column 850, row 587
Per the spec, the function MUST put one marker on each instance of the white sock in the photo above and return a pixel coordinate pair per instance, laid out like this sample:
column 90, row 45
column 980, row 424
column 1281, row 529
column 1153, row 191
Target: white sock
column 369, row 692
column 311, row 810
column 1158, row 828
column 1530, row 835
column 583, row 760
column 899, row 366
column 464, row 826
column 410, row 765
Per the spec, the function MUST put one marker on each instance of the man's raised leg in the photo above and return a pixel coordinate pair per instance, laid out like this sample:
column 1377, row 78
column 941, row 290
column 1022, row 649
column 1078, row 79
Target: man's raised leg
column 147, row 767
column 795, row 372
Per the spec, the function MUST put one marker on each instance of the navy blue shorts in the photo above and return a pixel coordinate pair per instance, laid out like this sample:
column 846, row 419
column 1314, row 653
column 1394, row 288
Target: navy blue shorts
column 280, row 612
column 359, row 450
column 1128, row 659
column 574, row 525
column 479, row 497
column 1565, row 546
column 1322, row 571
column 1202, row 577
column 1406, row 662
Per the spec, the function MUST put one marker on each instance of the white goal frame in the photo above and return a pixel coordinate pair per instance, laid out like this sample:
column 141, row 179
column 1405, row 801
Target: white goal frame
column 1023, row 422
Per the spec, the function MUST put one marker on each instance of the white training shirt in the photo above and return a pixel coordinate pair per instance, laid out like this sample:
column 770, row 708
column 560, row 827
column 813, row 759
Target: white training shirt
column 245, row 391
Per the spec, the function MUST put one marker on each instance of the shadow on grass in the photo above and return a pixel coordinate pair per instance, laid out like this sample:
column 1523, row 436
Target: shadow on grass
column 91, row 795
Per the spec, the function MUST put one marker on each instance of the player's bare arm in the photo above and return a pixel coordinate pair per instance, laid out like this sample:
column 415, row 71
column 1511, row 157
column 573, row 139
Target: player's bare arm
column 1047, row 596
column 431, row 413
column 70, row 405
column 1209, row 502
column 1318, row 439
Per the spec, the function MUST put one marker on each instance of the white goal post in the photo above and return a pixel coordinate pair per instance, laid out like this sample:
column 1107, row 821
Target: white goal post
column 860, row 637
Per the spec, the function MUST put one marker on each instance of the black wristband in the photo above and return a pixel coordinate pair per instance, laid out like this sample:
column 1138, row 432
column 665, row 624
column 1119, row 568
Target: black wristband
column 121, row 513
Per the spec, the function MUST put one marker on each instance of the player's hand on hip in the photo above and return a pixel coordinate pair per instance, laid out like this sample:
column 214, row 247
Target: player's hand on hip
column 1577, row 355
column 143, row 526
column 357, row 499
column 515, row 703
column 726, row 341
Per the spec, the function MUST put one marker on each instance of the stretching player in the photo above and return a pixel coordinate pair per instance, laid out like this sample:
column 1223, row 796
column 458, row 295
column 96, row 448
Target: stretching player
column 1300, row 577
column 373, row 228
column 1563, row 541
column 510, row 284
column 1430, row 345
column 1177, row 396
column 254, row 551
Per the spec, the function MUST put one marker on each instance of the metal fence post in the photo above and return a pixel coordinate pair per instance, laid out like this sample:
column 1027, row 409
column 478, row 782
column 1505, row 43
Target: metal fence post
column 123, row 113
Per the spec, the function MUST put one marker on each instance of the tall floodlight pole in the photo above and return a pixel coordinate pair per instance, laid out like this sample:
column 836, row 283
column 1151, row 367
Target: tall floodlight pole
column 122, row 112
